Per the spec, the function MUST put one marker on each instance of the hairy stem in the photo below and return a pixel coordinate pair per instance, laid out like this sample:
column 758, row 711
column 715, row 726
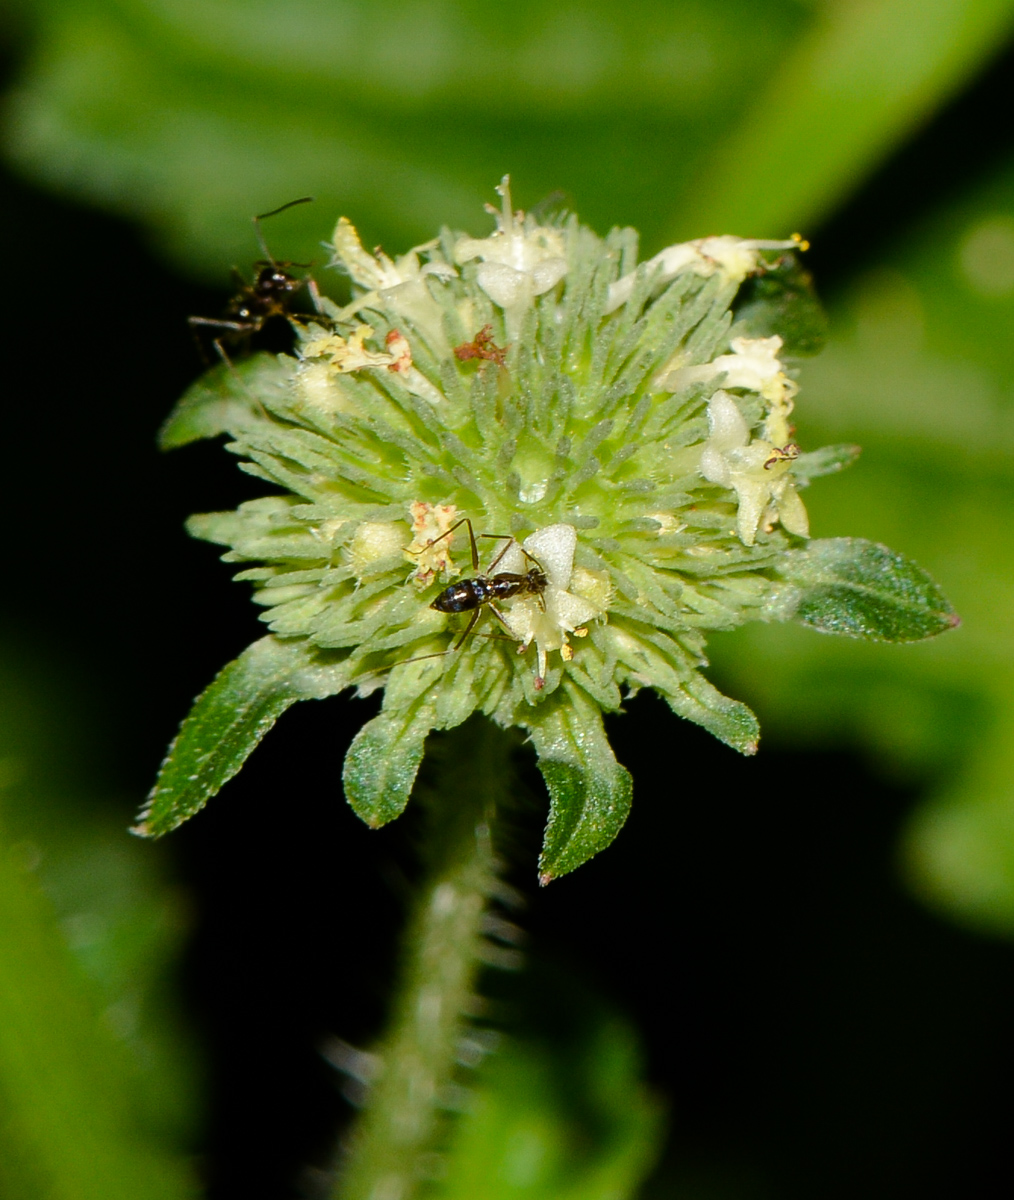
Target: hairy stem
column 466, row 778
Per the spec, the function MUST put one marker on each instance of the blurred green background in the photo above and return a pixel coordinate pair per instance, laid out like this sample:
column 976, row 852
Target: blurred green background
column 879, row 128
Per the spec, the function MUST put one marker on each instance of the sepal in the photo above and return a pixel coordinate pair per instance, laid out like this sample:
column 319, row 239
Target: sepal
column 729, row 720
column 226, row 399
column 589, row 792
column 383, row 761
column 828, row 460
column 227, row 722
column 860, row 589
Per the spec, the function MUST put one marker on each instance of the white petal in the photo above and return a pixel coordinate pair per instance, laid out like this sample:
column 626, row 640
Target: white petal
column 792, row 512
column 672, row 260
column 714, row 466
column 504, row 285
column 554, row 547
column 753, row 498
column 573, row 611
column 725, row 421
column 547, row 274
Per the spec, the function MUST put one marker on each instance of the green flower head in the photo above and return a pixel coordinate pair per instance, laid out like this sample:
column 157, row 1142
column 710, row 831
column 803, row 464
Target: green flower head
column 616, row 436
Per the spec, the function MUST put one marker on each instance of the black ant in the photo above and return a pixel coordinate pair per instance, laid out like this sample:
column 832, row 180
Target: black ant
column 482, row 591
column 269, row 296
column 473, row 595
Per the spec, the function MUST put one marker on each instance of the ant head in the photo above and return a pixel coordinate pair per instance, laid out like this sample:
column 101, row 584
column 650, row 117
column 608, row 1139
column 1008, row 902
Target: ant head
column 273, row 280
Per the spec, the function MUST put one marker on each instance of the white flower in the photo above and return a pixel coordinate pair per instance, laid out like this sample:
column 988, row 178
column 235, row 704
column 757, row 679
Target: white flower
column 733, row 257
column 396, row 284
column 560, row 612
column 431, row 548
column 346, row 355
column 349, row 354
column 756, row 471
column 754, row 366
column 520, row 260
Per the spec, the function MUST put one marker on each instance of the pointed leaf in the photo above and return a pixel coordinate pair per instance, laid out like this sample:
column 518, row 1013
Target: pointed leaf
column 828, row 460
column 861, row 589
column 589, row 792
column 728, row 720
column 382, row 763
column 224, row 399
column 227, row 722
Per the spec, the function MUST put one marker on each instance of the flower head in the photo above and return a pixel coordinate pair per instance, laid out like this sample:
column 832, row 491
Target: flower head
column 618, row 446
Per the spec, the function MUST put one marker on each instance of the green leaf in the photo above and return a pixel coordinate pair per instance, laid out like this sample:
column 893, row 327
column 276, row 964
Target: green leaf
column 383, row 761
column 589, row 792
column 563, row 1116
column 228, row 721
column 224, row 398
column 191, row 117
column 782, row 301
column 853, row 88
column 828, row 460
column 726, row 719
column 861, row 589
column 69, row 1126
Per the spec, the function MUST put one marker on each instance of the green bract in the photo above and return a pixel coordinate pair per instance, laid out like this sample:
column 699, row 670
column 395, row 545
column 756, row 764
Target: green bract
column 626, row 425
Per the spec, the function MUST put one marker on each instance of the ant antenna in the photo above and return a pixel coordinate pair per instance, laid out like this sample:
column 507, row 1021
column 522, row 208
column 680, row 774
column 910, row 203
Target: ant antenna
column 274, row 213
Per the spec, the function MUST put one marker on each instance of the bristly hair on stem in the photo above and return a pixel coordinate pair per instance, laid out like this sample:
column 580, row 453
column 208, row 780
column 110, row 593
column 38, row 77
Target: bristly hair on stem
column 458, row 927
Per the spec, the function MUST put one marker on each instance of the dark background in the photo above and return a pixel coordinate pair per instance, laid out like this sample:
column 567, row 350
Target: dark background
column 815, row 1031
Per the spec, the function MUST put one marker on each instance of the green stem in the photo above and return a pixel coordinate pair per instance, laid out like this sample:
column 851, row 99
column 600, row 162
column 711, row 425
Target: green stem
column 467, row 776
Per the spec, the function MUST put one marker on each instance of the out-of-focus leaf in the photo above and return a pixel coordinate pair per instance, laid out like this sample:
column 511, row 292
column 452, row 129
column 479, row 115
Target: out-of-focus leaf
column 94, row 1081
column 782, row 301
column 193, row 117
column 227, row 722
column 566, row 1117
column 860, row 589
column 221, row 400
column 65, row 1084
column 959, row 846
column 855, row 85
column 828, row 460
column 920, row 370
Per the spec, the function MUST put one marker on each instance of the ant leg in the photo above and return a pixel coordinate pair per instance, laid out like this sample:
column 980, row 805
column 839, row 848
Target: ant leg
column 468, row 629
column 502, row 619
column 501, row 637
column 532, row 558
column 509, row 539
column 450, row 533
column 404, row 662
column 475, row 551
column 222, row 354
column 238, row 378
column 215, row 323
